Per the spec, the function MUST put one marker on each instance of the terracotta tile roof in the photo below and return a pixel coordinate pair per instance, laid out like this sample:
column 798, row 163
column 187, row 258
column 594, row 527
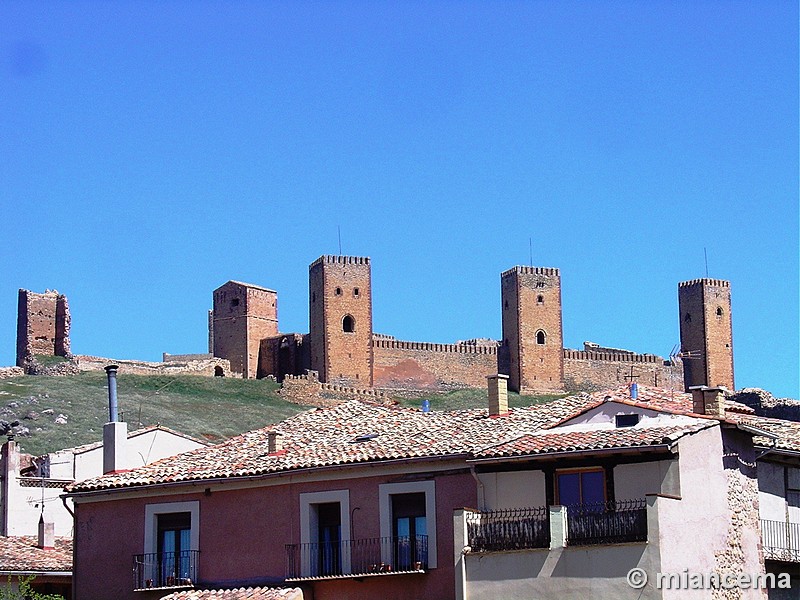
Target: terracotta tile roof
column 663, row 399
column 257, row 593
column 326, row 437
column 20, row 553
column 788, row 432
column 548, row 441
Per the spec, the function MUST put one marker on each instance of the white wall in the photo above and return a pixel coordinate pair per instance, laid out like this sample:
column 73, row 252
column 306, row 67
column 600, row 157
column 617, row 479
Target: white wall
column 771, row 491
column 634, row 481
column 514, row 489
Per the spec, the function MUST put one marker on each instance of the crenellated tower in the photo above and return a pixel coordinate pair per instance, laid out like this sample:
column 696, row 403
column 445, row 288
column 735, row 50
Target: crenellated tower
column 243, row 315
column 532, row 330
column 340, row 310
column 706, row 332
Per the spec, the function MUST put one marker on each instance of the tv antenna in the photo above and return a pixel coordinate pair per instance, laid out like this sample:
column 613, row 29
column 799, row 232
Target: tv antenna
column 339, row 231
column 530, row 249
column 705, row 254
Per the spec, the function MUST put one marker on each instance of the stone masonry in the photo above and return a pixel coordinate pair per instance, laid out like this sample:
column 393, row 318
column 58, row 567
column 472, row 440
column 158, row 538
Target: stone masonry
column 340, row 334
column 706, row 332
column 532, row 330
column 43, row 323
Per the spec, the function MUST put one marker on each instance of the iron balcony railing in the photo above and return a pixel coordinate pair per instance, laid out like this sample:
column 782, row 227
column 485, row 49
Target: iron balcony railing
column 780, row 540
column 511, row 529
column 165, row 570
column 357, row 558
column 607, row 523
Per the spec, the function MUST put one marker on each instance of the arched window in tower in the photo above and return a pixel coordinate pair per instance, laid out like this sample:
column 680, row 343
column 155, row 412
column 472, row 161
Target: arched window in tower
column 720, row 312
column 348, row 324
column 338, row 291
column 539, row 299
column 540, row 337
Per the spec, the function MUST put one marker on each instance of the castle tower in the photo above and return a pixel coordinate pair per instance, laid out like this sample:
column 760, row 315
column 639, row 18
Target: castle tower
column 706, row 332
column 43, row 323
column 532, row 331
column 242, row 316
column 340, row 300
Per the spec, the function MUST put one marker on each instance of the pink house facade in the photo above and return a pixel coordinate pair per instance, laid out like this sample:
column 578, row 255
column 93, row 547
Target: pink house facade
column 558, row 500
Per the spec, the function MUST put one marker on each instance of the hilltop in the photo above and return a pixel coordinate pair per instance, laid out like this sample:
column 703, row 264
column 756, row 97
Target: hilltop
column 67, row 411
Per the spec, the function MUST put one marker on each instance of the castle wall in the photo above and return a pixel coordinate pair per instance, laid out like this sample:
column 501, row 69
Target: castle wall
column 421, row 365
column 589, row 370
column 207, row 367
column 43, row 323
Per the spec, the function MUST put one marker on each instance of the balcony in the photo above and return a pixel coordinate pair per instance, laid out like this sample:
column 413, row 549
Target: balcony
column 169, row 570
column 780, row 540
column 578, row 525
column 357, row 558
column 607, row 523
column 512, row 529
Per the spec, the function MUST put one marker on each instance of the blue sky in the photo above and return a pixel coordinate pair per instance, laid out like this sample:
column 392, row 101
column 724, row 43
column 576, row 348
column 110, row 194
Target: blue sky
column 150, row 151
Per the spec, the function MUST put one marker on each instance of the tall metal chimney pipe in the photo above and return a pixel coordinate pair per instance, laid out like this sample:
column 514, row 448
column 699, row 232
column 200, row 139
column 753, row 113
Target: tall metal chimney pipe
column 111, row 370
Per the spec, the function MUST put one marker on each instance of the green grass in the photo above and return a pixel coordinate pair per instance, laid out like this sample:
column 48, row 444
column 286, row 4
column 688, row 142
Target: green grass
column 211, row 408
column 473, row 398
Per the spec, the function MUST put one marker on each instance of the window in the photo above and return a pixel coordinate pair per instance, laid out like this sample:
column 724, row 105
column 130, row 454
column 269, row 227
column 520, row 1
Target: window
column 338, row 291
column 539, row 299
column 626, row 420
column 171, row 544
column 348, row 324
column 720, row 312
column 324, row 533
column 409, row 529
column 356, row 292
column 580, row 486
column 408, row 516
column 235, row 302
column 688, row 318
column 540, row 337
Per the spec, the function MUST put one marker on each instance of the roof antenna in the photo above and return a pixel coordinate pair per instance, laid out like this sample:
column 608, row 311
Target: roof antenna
column 530, row 248
column 705, row 253
column 339, row 229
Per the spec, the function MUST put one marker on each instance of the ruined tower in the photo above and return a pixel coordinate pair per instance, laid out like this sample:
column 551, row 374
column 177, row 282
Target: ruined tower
column 532, row 332
column 43, row 323
column 340, row 301
column 706, row 332
column 242, row 316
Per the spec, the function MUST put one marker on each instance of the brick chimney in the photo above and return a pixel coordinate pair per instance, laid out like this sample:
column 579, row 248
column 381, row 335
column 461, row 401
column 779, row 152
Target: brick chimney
column 47, row 536
column 708, row 400
column 498, row 394
column 274, row 442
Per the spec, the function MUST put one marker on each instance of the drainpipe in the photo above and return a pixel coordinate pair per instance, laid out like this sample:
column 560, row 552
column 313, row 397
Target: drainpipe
column 481, row 491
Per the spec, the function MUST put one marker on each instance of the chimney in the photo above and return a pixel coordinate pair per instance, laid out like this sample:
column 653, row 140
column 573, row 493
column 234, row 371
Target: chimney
column 47, row 536
column 274, row 442
column 115, row 434
column 708, row 400
column 498, row 394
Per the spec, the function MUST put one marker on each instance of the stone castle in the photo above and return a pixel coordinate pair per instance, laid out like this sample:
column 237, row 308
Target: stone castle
column 341, row 348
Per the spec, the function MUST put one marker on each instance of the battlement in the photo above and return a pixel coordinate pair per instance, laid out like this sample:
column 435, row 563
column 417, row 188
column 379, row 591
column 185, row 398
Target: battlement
column 432, row 347
column 612, row 356
column 549, row 271
column 705, row 281
column 335, row 259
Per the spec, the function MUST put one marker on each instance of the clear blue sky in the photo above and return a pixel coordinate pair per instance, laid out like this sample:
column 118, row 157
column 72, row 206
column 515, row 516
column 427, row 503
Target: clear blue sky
column 150, row 151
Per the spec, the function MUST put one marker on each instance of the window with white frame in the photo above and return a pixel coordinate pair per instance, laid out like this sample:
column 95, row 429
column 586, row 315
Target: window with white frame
column 171, row 543
column 408, row 517
column 325, row 533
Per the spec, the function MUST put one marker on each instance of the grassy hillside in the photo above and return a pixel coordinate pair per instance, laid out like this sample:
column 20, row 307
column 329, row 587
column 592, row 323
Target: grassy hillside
column 211, row 408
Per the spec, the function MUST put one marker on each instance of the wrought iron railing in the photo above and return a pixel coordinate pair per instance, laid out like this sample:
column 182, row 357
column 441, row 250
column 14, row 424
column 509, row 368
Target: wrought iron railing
column 607, row 522
column 511, row 529
column 165, row 570
column 780, row 540
column 352, row 558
